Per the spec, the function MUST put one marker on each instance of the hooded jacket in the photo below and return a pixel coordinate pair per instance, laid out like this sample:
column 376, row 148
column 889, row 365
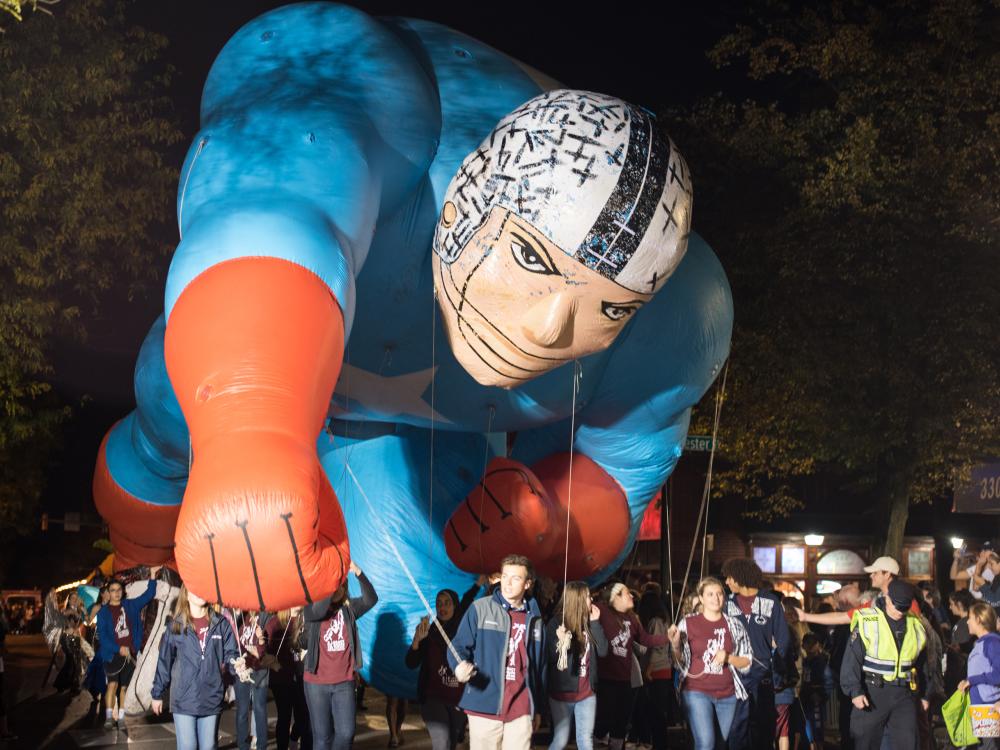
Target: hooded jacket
column 482, row 638
column 353, row 607
column 195, row 675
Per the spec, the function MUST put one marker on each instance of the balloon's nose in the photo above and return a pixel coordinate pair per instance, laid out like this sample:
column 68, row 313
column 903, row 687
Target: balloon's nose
column 549, row 322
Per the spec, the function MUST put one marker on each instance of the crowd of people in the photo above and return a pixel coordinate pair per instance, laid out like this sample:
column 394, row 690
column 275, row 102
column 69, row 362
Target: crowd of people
column 514, row 658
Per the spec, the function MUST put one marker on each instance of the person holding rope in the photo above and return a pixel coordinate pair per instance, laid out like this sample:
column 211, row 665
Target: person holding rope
column 616, row 694
column 283, row 631
column 438, row 690
column 197, row 647
column 333, row 657
column 251, row 695
column 119, row 630
column 498, row 652
column 575, row 640
column 709, row 648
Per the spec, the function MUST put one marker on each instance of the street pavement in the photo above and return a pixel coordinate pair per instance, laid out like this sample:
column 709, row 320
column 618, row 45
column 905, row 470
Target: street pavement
column 43, row 718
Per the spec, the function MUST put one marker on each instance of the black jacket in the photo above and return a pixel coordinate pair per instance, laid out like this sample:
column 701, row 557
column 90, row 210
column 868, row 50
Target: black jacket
column 354, row 608
column 568, row 680
column 415, row 659
column 852, row 677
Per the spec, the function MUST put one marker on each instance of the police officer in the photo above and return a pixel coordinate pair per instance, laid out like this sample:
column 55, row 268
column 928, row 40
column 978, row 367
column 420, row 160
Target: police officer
column 884, row 671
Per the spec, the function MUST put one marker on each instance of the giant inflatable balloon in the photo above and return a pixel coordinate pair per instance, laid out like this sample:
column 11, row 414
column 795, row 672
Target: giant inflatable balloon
column 398, row 246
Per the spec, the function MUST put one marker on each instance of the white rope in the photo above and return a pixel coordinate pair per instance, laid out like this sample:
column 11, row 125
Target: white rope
column 482, row 484
column 403, row 565
column 577, row 374
column 720, row 392
column 720, row 396
column 430, row 493
column 563, row 646
column 180, row 203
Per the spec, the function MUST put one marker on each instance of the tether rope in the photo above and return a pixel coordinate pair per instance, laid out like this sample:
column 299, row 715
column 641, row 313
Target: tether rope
column 719, row 396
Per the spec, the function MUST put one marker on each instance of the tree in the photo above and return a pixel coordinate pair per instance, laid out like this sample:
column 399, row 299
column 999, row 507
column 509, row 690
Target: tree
column 85, row 204
column 847, row 177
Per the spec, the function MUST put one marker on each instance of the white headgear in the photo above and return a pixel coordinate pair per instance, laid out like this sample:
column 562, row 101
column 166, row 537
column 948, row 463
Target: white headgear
column 593, row 174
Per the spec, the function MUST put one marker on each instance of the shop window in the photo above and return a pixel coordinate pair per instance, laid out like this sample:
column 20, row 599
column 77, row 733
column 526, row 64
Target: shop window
column 765, row 557
column 840, row 562
column 793, row 560
column 918, row 562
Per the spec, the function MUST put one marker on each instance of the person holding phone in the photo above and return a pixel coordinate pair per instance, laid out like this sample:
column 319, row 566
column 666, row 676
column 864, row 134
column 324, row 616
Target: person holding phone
column 438, row 691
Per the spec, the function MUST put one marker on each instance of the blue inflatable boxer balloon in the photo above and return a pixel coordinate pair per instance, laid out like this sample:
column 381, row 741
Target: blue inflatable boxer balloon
column 420, row 296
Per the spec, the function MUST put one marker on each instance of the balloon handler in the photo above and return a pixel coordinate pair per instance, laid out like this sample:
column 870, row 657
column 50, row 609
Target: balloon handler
column 885, row 671
column 398, row 248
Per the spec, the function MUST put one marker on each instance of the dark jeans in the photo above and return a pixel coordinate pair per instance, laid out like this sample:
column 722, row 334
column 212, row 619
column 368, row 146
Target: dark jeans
column 331, row 713
column 290, row 701
column 890, row 709
column 753, row 724
column 614, row 708
column 251, row 695
column 445, row 724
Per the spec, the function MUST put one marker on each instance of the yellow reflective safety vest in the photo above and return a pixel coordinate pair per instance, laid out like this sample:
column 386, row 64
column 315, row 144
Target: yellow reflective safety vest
column 881, row 656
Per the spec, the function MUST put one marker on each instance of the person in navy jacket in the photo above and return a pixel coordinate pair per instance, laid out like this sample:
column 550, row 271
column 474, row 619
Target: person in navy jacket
column 119, row 631
column 501, row 645
column 764, row 618
column 197, row 646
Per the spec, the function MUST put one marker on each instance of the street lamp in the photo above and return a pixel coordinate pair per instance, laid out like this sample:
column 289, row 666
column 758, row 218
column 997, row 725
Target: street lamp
column 957, row 542
column 814, row 540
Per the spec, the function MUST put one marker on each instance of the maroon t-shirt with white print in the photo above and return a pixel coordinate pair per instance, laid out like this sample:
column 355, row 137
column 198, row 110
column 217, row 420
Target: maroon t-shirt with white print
column 706, row 638
column 516, row 698
column 336, row 663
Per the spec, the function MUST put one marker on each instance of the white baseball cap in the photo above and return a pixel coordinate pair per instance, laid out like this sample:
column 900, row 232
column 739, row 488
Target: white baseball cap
column 885, row 564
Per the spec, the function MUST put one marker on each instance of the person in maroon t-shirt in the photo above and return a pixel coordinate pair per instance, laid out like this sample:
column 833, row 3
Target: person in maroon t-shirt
column 333, row 655
column 575, row 641
column 709, row 647
column 616, row 694
column 501, row 644
column 438, row 690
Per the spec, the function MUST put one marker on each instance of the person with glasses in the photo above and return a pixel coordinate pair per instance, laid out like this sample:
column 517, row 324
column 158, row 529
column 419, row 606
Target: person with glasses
column 120, row 631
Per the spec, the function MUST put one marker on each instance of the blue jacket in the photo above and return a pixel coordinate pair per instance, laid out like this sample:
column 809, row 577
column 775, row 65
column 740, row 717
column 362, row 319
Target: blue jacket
column 106, row 627
column 196, row 676
column 482, row 638
column 765, row 625
column 984, row 670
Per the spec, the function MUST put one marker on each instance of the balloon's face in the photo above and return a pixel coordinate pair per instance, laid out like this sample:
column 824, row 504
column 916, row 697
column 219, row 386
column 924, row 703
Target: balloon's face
column 515, row 305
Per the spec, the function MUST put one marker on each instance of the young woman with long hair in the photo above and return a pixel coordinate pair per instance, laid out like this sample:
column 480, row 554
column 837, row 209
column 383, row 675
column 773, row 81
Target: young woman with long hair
column 197, row 646
column 616, row 694
column 575, row 641
column 285, row 680
column 709, row 648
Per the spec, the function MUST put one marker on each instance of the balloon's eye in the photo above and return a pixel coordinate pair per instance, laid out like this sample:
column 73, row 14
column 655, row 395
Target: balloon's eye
column 617, row 312
column 530, row 256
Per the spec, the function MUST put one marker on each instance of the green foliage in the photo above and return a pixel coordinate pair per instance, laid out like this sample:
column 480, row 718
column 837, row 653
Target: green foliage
column 850, row 187
column 85, row 200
